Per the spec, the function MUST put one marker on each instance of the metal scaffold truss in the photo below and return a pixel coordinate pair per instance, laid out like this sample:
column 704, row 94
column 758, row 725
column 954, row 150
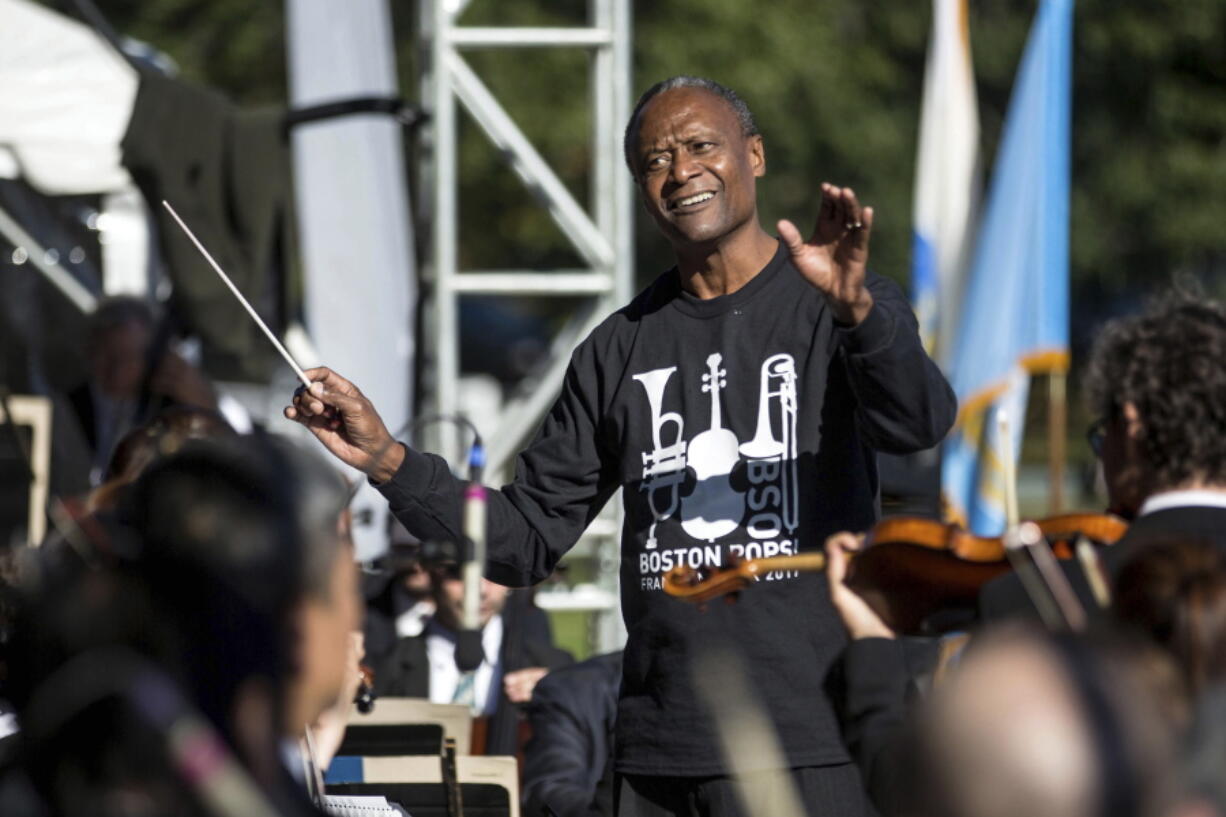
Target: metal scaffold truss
column 601, row 233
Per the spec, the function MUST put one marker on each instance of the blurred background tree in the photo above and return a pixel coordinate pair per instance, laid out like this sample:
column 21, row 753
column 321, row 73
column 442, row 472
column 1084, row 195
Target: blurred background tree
column 835, row 86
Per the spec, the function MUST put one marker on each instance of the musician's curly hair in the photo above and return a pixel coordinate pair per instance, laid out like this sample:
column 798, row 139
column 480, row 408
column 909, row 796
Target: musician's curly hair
column 1170, row 362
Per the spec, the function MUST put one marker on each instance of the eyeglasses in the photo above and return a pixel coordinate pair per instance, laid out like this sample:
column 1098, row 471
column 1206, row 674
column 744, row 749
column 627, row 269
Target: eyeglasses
column 1096, row 434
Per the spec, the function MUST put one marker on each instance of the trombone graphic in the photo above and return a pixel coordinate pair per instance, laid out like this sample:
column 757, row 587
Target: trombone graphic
column 778, row 384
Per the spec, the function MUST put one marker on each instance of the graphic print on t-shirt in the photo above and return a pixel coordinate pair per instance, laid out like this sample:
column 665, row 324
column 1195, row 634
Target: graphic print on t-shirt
column 664, row 465
column 777, row 389
column 765, row 510
column 713, row 509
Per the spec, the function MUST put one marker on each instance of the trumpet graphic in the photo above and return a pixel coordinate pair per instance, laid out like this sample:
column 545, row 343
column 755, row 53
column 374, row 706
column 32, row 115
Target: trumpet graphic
column 664, row 465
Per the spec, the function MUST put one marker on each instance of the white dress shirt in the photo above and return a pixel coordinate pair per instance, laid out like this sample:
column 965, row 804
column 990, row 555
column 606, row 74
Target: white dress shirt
column 412, row 621
column 445, row 676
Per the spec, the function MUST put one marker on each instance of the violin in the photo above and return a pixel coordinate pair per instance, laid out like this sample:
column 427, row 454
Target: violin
column 697, row 586
column 364, row 697
column 920, row 575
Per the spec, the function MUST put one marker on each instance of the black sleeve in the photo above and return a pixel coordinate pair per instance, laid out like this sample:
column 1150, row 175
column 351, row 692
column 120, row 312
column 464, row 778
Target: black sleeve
column 904, row 403
column 566, row 757
column 561, row 482
column 875, row 719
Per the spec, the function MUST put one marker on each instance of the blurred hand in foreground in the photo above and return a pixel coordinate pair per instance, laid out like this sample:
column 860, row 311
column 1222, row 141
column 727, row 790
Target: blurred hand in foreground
column 520, row 683
column 860, row 620
column 329, row 729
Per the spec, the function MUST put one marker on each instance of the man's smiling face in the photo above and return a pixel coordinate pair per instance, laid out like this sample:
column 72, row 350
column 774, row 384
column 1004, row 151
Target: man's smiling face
column 696, row 168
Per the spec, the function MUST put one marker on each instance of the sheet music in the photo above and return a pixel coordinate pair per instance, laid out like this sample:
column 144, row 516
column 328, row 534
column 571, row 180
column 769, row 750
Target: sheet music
column 350, row 805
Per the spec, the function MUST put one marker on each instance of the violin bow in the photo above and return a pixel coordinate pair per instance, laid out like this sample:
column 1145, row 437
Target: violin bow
column 1004, row 433
column 1041, row 576
column 1032, row 581
column 1092, row 566
column 751, row 748
column 1058, row 591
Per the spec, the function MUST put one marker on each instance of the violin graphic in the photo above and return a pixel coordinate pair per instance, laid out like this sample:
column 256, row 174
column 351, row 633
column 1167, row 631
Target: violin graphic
column 713, row 509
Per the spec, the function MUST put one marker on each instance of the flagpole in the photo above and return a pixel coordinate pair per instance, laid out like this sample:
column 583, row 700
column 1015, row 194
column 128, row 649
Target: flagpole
column 1057, row 430
column 1008, row 461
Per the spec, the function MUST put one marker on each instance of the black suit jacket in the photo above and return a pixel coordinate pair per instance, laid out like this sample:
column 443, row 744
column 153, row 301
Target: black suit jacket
column 384, row 605
column 1004, row 597
column 82, row 401
column 405, row 672
column 1196, row 522
column 568, row 764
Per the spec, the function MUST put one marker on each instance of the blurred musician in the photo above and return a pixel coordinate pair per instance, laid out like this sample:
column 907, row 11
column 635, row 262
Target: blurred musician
column 121, row 335
column 1157, row 383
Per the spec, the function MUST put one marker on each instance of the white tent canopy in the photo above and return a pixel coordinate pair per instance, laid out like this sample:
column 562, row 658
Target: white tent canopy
column 65, row 101
column 353, row 213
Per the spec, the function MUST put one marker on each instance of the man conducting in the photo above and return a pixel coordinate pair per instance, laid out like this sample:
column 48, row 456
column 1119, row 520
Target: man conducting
column 738, row 401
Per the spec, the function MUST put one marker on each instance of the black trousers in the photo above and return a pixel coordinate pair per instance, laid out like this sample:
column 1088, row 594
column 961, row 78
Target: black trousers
column 824, row 791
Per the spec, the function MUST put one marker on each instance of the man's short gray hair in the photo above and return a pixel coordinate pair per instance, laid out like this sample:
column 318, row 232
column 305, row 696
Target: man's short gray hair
column 748, row 126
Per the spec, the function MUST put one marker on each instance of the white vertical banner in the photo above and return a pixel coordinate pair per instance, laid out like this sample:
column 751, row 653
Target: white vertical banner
column 353, row 216
column 946, row 179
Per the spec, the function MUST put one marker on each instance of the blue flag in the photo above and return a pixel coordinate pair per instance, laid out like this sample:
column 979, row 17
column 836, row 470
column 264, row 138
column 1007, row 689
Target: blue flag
column 1014, row 319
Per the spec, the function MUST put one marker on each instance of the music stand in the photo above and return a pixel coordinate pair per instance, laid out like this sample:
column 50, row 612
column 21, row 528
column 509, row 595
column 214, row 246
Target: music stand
column 489, row 784
column 31, row 454
column 407, row 726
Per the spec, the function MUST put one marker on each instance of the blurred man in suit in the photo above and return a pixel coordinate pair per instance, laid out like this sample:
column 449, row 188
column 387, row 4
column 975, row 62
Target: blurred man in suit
column 424, row 666
column 126, row 367
column 1157, row 383
column 568, row 763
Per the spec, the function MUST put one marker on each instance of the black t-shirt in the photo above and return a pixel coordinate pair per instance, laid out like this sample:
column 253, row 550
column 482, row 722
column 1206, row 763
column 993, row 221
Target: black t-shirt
column 742, row 425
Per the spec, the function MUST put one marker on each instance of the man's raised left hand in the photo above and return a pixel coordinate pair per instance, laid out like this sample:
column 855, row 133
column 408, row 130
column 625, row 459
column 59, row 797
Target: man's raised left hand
column 835, row 257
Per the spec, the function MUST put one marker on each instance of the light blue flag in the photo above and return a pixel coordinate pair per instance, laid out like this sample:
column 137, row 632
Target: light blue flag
column 1015, row 316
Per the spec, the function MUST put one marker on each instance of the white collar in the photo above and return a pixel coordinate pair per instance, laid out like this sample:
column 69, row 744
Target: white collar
column 1201, row 497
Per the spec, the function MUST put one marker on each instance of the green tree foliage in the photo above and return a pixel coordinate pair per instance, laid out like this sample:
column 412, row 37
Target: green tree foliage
column 1149, row 145
column 835, row 86
column 235, row 46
